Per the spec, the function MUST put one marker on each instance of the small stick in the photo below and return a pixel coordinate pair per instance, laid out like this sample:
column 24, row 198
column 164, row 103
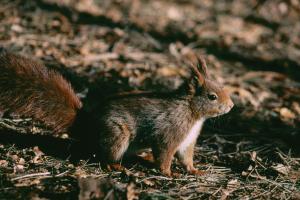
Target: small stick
column 31, row 175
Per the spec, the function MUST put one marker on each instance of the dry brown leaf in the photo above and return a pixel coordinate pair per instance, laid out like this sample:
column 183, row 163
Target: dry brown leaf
column 3, row 163
column 287, row 114
column 244, row 95
column 296, row 107
column 148, row 182
column 37, row 151
column 21, row 161
column 15, row 158
column 282, row 169
column 18, row 168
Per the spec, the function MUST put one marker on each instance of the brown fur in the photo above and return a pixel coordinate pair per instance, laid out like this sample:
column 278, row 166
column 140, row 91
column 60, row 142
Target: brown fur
column 28, row 88
column 161, row 122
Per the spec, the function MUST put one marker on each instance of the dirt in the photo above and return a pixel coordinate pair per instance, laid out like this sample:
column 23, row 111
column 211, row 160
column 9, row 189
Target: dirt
column 251, row 47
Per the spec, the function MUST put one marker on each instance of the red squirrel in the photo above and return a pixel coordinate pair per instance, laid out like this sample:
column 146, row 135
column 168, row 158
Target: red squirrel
column 168, row 123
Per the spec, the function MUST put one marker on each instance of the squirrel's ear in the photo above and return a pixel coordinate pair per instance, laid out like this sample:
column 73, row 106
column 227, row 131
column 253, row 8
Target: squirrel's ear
column 198, row 73
column 195, row 80
column 196, row 76
column 201, row 66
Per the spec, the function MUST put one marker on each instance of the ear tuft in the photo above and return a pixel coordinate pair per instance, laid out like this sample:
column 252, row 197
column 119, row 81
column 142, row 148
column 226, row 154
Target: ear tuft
column 195, row 72
column 201, row 66
column 199, row 69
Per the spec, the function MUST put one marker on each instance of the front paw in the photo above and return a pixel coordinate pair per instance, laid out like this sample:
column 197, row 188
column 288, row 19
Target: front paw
column 194, row 171
column 166, row 172
column 197, row 172
column 115, row 167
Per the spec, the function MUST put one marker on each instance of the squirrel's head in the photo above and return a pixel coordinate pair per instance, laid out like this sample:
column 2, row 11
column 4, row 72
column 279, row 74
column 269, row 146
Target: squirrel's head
column 207, row 97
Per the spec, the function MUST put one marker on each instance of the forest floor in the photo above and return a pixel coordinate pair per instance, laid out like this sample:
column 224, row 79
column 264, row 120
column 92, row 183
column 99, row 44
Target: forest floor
column 251, row 47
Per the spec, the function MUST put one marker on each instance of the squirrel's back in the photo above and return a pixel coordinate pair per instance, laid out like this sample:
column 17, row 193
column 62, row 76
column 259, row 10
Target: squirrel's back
column 28, row 88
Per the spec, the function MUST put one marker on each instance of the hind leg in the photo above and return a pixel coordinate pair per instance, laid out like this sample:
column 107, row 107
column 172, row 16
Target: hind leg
column 115, row 142
column 163, row 156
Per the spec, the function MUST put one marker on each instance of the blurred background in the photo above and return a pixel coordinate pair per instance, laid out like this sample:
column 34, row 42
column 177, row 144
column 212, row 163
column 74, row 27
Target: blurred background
column 252, row 47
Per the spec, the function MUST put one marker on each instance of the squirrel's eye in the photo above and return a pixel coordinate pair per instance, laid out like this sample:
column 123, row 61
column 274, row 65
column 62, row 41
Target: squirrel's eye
column 212, row 97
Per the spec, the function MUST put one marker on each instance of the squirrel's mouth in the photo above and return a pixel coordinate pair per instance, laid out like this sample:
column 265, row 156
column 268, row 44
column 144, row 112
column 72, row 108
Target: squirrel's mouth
column 221, row 111
column 227, row 110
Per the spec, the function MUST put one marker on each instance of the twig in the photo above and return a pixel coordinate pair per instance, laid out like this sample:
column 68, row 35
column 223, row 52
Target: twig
column 31, row 175
column 155, row 177
column 63, row 173
column 108, row 194
column 270, row 181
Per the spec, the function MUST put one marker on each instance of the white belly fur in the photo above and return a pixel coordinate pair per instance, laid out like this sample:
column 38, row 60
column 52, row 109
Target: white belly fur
column 192, row 135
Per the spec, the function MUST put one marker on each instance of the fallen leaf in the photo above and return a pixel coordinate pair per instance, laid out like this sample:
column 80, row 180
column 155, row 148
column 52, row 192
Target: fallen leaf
column 3, row 163
column 18, row 168
column 148, row 182
column 287, row 114
column 282, row 169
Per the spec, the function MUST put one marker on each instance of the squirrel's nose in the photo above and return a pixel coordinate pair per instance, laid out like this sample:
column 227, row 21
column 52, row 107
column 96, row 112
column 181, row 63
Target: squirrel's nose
column 230, row 104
